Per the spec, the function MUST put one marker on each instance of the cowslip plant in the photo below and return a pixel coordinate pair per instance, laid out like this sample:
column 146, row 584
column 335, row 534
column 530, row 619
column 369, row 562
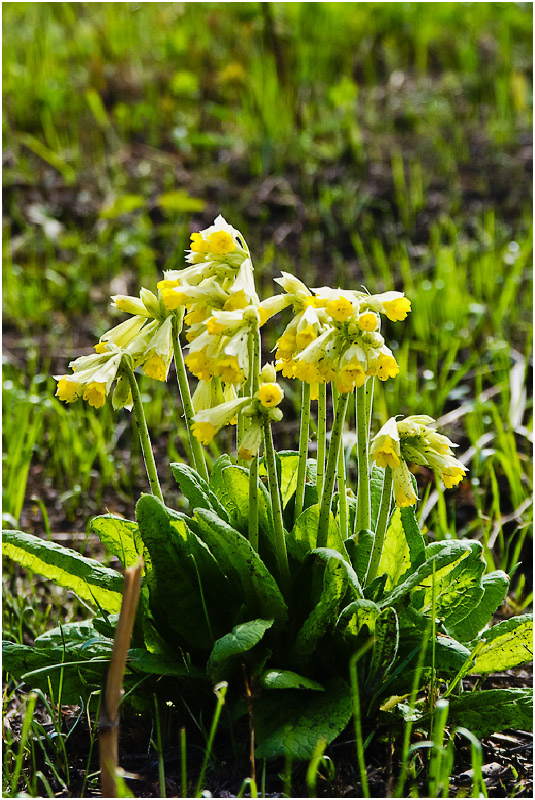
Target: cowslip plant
column 282, row 572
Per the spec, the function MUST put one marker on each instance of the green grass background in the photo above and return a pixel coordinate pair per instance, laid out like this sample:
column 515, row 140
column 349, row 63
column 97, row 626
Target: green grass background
column 384, row 144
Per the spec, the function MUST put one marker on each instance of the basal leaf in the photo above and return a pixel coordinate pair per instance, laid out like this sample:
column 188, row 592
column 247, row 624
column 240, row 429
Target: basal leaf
column 89, row 579
column 176, row 583
column 457, row 586
column 355, row 616
column 359, row 547
column 491, row 711
column 236, row 481
column 120, row 537
column 285, row 679
column 385, row 646
column 41, row 665
column 403, row 549
column 303, row 537
column 377, row 479
column 197, row 490
column 80, row 638
column 325, row 613
column 507, row 644
column 241, row 639
column 447, row 555
column 140, row 660
column 495, row 586
column 243, row 567
column 290, row 725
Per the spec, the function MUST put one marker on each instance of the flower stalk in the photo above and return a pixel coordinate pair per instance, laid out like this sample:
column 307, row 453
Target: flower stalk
column 254, row 377
column 143, row 432
column 182, row 380
column 363, row 516
column 322, row 434
column 280, row 540
column 382, row 522
column 331, row 470
column 303, row 449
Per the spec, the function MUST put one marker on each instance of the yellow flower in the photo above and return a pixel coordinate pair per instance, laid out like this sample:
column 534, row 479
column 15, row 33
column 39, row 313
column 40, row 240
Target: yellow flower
column 270, row 394
column 236, row 301
column 229, row 369
column 198, row 244
column 221, row 243
column 305, row 337
column 155, row 368
column 173, row 299
column 204, row 431
column 95, row 394
column 66, row 390
column 453, row 476
column 397, row 309
column 198, row 364
column 387, row 367
column 404, row 494
column 368, row 321
column 350, row 376
column 101, row 347
column 340, row 309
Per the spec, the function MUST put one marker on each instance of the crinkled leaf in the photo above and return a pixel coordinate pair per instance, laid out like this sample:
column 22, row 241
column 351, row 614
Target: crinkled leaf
column 243, row 567
column 490, row 711
column 241, row 639
column 292, row 724
column 154, row 664
column 448, row 554
column 403, row 549
column 80, row 638
column 197, row 490
column 120, row 537
column 285, row 679
column 236, row 480
column 457, row 586
column 385, row 646
column 40, row 666
column 495, row 586
column 359, row 547
column 377, row 479
column 175, row 596
column 89, row 579
column 324, row 614
column 507, row 644
column 355, row 616
column 303, row 537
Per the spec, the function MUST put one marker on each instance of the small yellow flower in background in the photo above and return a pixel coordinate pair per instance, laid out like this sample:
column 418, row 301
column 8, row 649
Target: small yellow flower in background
column 270, row 394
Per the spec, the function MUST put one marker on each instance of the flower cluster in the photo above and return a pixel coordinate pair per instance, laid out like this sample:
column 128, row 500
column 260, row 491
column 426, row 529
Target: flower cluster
column 412, row 439
column 334, row 334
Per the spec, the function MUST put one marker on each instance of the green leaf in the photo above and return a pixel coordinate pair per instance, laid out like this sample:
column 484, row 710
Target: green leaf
column 359, row 547
column 156, row 664
column 241, row 639
column 325, row 613
column 303, row 537
column 507, row 644
column 40, row 666
column 495, row 586
column 243, row 567
column 355, row 616
column 184, row 577
column 457, row 586
column 236, row 481
column 181, row 201
column 291, row 725
column 120, row 537
column 490, row 711
column 124, row 204
column 448, row 554
column 197, row 490
column 80, row 638
column 285, row 679
column 450, row 656
column 86, row 577
column 385, row 646
column 403, row 549
column 377, row 479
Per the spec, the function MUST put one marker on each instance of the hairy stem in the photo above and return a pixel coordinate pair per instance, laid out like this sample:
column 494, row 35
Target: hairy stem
column 253, row 383
column 322, row 432
column 363, row 516
column 185, row 396
column 332, row 464
column 280, row 540
column 380, row 531
column 143, row 433
column 303, row 449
